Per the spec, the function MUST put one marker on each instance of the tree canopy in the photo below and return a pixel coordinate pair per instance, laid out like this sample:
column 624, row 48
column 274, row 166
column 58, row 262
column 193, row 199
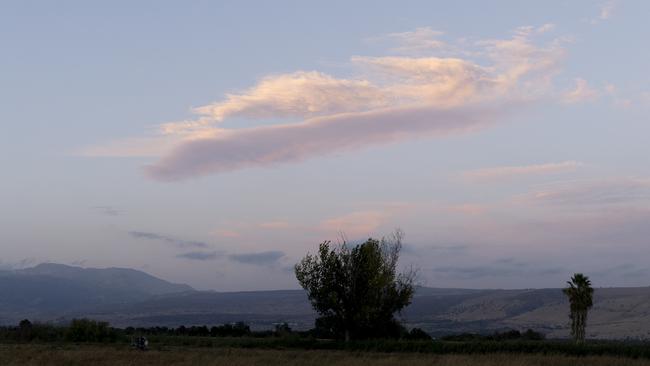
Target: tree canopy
column 356, row 288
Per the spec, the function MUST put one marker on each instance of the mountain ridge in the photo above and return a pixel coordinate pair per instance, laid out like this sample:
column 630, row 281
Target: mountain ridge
column 126, row 297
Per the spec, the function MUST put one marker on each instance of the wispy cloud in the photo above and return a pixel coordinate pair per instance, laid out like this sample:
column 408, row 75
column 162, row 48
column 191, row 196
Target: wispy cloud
column 200, row 256
column 107, row 210
column 278, row 224
column 475, row 272
column 299, row 94
column 581, row 93
column 467, row 208
column 437, row 249
column 393, row 99
column 620, row 100
column 417, row 41
column 508, row 172
column 548, row 27
column 625, row 270
column 605, row 12
column 227, row 233
column 503, row 267
column 263, row 146
column 355, row 224
column 645, row 98
column 149, row 146
column 598, row 192
column 260, row 258
column 168, row 239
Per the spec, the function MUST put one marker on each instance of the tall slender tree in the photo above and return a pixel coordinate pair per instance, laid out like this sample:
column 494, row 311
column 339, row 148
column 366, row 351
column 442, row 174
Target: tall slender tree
column 580, row 294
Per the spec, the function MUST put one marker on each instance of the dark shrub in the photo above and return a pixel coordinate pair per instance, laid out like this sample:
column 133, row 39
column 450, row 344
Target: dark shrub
column 418, row 334
column 86, row 330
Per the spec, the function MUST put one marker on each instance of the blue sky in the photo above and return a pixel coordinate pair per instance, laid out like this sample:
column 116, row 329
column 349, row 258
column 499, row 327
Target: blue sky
column 215, row 143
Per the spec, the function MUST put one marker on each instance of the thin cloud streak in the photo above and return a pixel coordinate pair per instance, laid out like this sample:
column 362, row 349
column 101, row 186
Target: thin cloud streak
column 507, row 172
column 199, row 256
column 599, row 192
column 168, row 239
column 107, row 210
column 356, row 224
column 259, row 259
column 416, row 41
column 475, row 272
column 605, row 12
column 263, row 146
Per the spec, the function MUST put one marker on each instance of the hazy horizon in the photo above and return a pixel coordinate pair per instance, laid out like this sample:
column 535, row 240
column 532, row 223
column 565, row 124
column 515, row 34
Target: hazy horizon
column 216, row 143
column 418, row 285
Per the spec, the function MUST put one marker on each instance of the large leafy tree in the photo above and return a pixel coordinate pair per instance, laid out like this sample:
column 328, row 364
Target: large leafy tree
column 580, row 294
column 356, row 288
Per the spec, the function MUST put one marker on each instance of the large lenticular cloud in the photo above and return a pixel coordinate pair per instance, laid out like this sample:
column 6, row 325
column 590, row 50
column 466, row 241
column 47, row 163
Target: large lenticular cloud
column 394, row 98
column 294, row 142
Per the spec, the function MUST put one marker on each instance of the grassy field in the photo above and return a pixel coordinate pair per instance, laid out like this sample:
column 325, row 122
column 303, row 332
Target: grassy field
column 72, row 355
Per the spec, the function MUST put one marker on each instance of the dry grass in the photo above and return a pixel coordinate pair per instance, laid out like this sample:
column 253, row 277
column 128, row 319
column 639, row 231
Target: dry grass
column 26, row 355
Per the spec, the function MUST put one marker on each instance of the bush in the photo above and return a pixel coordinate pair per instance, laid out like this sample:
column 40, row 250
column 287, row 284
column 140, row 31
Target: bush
column 510, row 335
column 238, row 329
column 86, row 330
column 531, row 335
column 417, row 334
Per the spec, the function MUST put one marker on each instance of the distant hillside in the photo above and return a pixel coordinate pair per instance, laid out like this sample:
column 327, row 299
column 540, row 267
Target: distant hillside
column 120, row 279
column 124, row 297
column 617, row 313
column 49, row 291
column 261, row 309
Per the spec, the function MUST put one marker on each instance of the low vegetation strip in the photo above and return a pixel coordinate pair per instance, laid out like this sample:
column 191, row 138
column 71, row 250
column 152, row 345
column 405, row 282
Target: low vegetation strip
column 104, row 355
column 239, row 336
column 618, row 349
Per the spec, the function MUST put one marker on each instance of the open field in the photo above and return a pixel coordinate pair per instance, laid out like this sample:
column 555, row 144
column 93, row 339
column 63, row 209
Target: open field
column 72, row 355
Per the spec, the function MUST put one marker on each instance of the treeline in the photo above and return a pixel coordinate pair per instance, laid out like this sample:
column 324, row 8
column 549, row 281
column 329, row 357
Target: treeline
column 92, row 331
column 239, row 335
column 87, row 330
column 509, row 335
column 79, row 330
column 241, row 329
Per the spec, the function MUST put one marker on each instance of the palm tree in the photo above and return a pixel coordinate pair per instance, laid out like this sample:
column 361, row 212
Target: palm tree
column 580, row 294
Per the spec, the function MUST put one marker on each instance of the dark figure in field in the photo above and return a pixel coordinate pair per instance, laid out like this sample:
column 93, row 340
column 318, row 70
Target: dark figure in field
column 140, row 343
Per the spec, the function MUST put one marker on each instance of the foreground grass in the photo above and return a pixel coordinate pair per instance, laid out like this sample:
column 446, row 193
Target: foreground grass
column 564, row 348
column 72, row 355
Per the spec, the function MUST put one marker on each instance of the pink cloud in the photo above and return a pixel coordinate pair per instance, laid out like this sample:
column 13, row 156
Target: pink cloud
column 355, row 224
column 301, row 94
column 618, row 191
column 506, row 172
column 581, row 93
column 267, row 145
column 393, row 99
column 279, row 224
column 227, row 233
column 468, row 209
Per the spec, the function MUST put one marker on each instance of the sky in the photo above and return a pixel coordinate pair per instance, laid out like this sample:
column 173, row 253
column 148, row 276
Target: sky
column 215, row 143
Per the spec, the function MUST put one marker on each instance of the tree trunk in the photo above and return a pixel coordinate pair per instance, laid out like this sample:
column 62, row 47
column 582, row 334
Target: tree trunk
column 347, row 335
